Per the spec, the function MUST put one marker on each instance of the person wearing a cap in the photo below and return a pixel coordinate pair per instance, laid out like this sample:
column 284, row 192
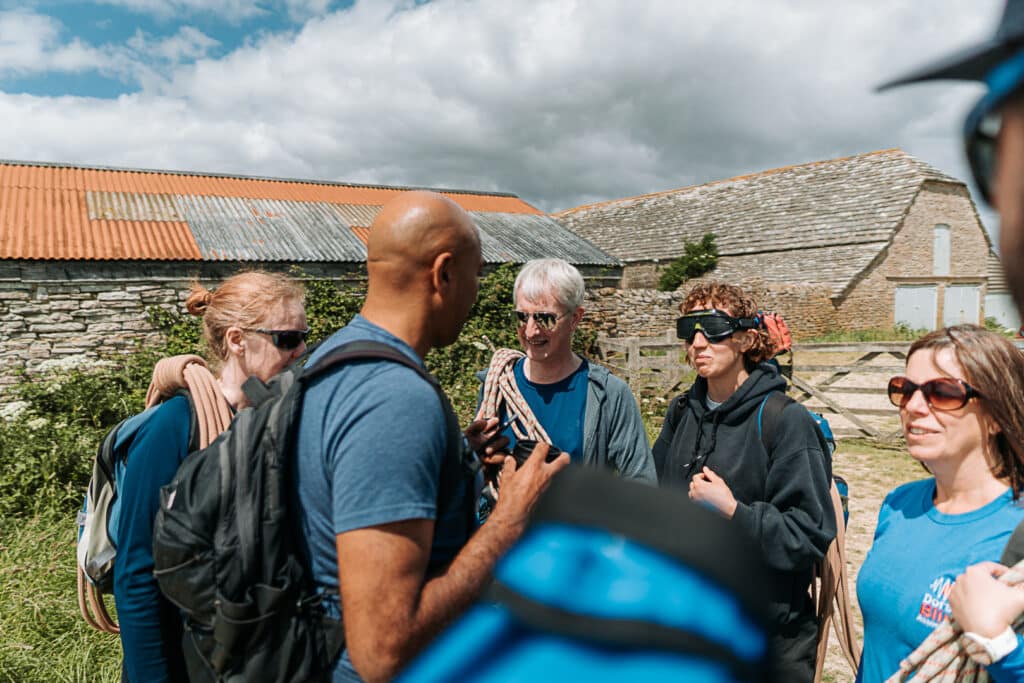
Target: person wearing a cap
column 994, row 142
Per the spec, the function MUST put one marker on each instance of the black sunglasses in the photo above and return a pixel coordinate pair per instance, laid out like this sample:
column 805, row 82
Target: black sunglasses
column 286, row 340
column 715, row 325
column 941, row 393
column 545, row 321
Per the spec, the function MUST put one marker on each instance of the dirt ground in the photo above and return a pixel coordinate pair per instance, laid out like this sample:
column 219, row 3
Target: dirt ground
column 871, row 472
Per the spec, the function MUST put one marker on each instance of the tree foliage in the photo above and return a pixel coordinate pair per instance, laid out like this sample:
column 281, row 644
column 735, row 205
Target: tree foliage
column 698, row 258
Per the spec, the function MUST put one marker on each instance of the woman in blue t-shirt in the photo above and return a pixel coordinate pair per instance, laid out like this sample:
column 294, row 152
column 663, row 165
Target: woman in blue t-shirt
column 253, row 324
column 961, row 404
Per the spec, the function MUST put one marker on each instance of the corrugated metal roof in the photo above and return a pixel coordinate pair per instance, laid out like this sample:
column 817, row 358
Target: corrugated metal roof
column 996, row 277
column 54, row 223
column 74, row 213
column 37, row 175
column 518, row 238
column 357, row 215
column 362, row 233
column 243, row 229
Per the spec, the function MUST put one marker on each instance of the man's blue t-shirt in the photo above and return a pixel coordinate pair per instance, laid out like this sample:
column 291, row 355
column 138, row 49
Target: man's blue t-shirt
column 559, row 407
column 903, row 586
column 371, row 440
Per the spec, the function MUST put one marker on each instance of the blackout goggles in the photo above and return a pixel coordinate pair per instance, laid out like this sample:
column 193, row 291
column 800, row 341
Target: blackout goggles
column 715, row 325
column 981, row 128
column 942, row 393
column 545, row 321
column 286, row 340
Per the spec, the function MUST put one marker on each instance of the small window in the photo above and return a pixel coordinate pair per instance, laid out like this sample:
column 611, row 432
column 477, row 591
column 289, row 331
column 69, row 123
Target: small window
column 940, row 250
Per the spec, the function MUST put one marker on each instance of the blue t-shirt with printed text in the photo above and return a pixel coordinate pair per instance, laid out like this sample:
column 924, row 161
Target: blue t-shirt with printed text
column 560, row 407
column 903, row 586
column 371, row 440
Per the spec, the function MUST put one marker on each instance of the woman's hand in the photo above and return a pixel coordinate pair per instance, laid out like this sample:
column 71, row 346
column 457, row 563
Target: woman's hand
column 983, row 604
column 710, row 489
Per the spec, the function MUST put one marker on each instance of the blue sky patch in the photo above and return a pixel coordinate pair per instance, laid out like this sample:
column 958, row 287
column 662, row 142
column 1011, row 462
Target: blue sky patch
column 126, row 38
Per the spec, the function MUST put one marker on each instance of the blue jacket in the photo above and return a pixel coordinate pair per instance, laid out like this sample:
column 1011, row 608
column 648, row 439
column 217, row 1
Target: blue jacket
column 151, row 626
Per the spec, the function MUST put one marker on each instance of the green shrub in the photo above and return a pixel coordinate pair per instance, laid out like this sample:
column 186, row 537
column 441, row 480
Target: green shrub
column 698, row 258
column 46, row 452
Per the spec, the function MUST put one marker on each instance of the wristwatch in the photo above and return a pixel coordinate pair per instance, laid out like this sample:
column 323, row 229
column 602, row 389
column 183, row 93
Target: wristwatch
column 998, row 647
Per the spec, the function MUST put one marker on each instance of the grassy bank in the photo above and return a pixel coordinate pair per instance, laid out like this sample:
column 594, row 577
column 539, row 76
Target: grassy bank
column 44, row 640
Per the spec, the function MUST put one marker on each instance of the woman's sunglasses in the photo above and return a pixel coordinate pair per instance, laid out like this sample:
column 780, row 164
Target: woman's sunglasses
column 286, row 340
column 942, row 393
column 713, row 324
column 545, row 321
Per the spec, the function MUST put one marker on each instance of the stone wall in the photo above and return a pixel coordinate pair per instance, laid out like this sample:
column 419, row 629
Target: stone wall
column 909, row 259
column 71, row 313
column 649, row 313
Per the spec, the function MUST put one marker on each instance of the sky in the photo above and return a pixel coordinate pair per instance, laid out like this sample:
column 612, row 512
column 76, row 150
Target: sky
column 562, row 102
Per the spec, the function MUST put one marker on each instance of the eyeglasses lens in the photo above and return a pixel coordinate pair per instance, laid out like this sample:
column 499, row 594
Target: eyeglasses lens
column 981, row 152
column 545, row 321
column 942, row 393
column 288, row 340
column 715, row 329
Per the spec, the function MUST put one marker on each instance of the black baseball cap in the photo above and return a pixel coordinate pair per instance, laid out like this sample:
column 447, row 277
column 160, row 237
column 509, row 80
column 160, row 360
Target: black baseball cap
column 974, row 63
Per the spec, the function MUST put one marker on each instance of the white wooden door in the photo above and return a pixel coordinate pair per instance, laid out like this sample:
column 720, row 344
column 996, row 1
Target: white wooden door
column 960, row 304
column 916, row 306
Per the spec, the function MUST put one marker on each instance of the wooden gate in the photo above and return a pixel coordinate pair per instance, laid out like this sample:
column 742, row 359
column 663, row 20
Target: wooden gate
column 845, row 382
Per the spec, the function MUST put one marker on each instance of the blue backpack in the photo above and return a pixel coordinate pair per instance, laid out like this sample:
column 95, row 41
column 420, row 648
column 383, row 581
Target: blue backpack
column 603, row 586
column 768, row 416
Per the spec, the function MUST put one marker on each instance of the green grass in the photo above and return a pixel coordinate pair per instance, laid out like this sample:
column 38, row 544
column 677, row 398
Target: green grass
column 44, row 638
column 898, row 333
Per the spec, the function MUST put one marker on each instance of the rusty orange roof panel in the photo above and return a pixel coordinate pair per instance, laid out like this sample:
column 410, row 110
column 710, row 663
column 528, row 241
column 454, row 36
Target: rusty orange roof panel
column 48, row 223
column 74, row 212
column 40, row 175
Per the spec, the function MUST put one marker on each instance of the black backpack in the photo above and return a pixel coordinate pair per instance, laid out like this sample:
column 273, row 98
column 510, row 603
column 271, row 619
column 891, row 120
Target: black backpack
column 226, row 544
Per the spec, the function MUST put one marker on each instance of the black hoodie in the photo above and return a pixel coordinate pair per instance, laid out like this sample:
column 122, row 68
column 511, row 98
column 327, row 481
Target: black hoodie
column 783, row 499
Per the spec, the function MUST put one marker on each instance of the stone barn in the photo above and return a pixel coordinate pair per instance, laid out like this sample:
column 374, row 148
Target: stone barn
column 861, row 242
column 85, row 251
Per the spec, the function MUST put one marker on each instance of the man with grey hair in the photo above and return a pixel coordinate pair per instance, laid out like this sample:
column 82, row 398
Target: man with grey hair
column 553, row 394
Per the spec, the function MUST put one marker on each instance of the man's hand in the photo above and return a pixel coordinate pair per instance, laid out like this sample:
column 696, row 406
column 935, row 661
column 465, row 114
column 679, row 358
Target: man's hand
column 981, row 603
column 710, row 489
column 521, row 486
column 484, row 439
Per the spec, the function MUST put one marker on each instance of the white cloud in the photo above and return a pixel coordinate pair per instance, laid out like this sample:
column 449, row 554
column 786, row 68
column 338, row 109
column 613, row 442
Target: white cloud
column 188, row 44
column 563, row 102
column 231, row 10
column 32, row 43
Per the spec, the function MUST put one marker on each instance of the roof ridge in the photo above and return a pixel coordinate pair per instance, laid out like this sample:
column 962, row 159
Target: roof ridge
column 750, row 176
column 235, row 176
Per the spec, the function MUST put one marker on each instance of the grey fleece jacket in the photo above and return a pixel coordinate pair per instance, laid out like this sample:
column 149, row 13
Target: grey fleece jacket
column 613, row 431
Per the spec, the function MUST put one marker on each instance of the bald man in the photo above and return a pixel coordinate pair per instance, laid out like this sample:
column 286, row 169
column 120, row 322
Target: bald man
column 371, row 443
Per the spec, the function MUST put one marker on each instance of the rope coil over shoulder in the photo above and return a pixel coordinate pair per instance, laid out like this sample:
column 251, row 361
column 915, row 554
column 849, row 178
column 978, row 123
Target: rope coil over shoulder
column 212, row 415
column 946, row 656
column 500, row 388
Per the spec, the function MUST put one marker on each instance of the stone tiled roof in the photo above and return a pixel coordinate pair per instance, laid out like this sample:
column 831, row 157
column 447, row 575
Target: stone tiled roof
column 837, row 216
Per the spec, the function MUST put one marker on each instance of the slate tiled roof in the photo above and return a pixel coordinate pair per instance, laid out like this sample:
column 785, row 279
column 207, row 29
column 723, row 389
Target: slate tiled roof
column 50, row 211
column 848, row 207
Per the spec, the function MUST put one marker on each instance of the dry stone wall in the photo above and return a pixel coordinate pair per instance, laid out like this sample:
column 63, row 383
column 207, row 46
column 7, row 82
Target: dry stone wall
column 73, row 313
column 649, row 312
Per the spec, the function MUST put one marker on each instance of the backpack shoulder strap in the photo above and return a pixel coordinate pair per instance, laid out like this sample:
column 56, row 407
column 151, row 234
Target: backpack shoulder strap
column 768, row 415
column 451, row 473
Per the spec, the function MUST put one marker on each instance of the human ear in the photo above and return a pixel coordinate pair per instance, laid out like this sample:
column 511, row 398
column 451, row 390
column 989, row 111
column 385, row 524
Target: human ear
column 233, row 340
column 441, row 271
